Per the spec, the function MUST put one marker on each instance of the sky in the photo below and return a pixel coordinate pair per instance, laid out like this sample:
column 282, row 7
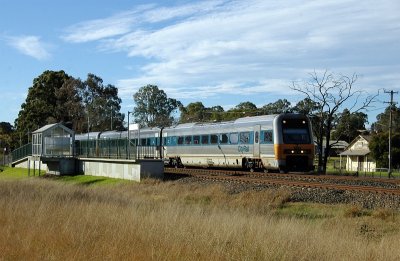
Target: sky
column 219, row 52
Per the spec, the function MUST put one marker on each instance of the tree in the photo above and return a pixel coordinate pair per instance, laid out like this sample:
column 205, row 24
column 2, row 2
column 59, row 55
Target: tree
column 349, row 125
column 306, row 107
column 330, row 92
column 241, row 110
column 193, row 112
column 58, row 97
column 197, row 112
column 6, row 128
column 382, row 123
column 280, row 106
column 101, row 104
column 41, row 103
column 153, row 107
column 6, row 135
column 216, row 113
column 379, row 148
column 246, row 107
column 69, row 107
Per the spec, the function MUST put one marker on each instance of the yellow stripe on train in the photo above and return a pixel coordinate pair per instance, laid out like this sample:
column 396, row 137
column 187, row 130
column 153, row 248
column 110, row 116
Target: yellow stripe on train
column 282, row 150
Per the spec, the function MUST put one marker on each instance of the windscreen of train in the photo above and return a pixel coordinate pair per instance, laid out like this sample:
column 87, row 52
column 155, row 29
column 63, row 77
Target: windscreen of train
column 295, row 131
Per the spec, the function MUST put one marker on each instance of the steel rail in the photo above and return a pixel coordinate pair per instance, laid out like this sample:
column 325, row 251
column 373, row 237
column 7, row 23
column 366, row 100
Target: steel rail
column 281, row 180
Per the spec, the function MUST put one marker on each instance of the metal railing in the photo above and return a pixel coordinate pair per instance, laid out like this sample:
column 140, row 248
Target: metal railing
column 114, row 149
column 22, row 152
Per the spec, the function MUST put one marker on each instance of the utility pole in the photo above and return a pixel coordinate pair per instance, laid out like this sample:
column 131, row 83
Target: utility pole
column 128, row 156
column 111, row 127
column 390, row 130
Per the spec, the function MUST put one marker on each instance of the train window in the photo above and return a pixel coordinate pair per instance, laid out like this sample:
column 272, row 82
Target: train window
column 267, row 137
column 214, row 139
column 223, row 138
column 296, row 136
column 204, row 139
column 180, row 140
column 244, row 137
column 196, row 139
column 233, row 138
column 256, row 137
column 188, row 140
column 172, row 141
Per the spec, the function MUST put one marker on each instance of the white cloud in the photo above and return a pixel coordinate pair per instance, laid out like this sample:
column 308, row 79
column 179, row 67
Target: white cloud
column 100, row 28
column 209, row 48
column 29, row 45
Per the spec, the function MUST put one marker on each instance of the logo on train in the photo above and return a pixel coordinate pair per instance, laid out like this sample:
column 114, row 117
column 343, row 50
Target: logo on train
column 243, row 148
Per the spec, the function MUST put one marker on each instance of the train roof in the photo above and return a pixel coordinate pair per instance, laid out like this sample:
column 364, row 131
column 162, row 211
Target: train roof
column 244, row 120
column 90, row 135
column 270, row 117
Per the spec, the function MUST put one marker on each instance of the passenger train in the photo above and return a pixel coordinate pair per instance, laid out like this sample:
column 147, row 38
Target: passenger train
column 281, row 142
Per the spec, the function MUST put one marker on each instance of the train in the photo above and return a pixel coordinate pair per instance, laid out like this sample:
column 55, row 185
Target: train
column 281, row 142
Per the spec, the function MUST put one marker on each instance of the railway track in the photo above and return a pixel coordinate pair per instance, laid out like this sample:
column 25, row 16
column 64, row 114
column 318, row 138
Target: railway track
column 298, row 180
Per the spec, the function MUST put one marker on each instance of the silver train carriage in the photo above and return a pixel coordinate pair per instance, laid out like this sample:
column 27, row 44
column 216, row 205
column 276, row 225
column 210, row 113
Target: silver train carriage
column 281, row 142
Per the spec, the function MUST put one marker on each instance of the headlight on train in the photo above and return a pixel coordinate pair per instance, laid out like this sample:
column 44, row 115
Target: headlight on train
column 288, row 151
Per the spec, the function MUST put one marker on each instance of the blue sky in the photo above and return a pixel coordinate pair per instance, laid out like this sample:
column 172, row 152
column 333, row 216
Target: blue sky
column 217, row 52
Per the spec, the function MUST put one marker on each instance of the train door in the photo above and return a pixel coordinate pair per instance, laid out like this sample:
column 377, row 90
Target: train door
column 256, row 143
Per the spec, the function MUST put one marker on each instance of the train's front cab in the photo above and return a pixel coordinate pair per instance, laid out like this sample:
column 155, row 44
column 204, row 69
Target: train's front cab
column 293, row 142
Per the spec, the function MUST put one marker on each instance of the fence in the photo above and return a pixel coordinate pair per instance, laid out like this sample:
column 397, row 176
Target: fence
column 22, row 152
column 5, row 159
column 114, row 149
column 376, row 173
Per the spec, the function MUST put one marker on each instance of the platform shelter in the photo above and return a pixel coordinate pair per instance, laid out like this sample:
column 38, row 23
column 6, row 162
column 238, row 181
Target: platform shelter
column 53, row 140
column 53, row 145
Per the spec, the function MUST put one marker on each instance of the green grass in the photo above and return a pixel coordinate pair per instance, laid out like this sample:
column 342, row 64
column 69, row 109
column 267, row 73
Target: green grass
column 87, row 180
column 16, row 173
column 335, row 171
column 309, row 211
column 22, row 173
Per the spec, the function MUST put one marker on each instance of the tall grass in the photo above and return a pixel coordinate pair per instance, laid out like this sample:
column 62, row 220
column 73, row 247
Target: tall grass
column 48, row 220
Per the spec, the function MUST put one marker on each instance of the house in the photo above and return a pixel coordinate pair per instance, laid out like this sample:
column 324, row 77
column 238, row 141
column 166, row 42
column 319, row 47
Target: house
column 337, row 146
column 357, row 155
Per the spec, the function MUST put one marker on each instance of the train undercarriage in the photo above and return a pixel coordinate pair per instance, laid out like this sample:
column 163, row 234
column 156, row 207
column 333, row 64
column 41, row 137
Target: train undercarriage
column 298, row 163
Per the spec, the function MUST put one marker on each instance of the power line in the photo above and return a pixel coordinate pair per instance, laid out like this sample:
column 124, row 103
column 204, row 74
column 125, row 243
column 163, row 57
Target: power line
column 390, row 129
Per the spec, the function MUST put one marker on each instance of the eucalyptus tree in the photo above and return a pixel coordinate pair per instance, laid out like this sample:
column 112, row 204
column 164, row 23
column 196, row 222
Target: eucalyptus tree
column 41, row 103
column 382, row 123
column 101, row 105
column 6, row 135
column 331, row 93
column 349, row 125
column 241, row 110
column 194, row 112
column 153, row 107
column 57, row 97
column 280, row 106
column 379, row 148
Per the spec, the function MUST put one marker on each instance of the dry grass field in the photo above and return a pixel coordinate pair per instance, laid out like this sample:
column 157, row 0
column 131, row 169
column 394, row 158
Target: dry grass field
column 48, row 219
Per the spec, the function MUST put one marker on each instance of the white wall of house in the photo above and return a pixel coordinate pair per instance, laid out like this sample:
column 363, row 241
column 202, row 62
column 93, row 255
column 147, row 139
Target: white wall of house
column 359, row 158
column 360, row 163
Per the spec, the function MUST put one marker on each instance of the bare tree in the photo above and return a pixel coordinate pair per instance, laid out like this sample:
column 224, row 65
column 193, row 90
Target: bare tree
column 330, row 93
